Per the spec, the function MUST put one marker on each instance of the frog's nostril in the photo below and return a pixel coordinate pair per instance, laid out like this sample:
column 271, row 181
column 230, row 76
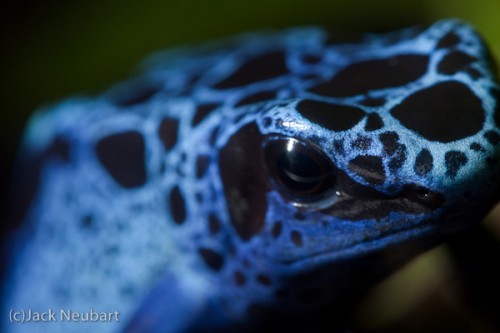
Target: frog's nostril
column 423, row 196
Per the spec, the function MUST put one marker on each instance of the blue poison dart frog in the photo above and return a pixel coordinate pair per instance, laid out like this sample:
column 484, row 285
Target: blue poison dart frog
column 262, row 182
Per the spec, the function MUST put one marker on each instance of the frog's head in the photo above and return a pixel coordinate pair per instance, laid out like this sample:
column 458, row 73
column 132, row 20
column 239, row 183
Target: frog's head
column 397, row 147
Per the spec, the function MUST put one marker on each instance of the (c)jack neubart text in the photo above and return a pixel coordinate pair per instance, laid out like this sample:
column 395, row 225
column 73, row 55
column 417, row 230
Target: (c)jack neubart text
column 62, row 315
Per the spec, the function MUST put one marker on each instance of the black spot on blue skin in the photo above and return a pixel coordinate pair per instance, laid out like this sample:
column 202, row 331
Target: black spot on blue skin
column 296, row 238
column 492, row 137
column 202, row 163
column 264, row 280
column 366, row 76
column 276, row 231
column 260, row 96
column 245, row 184
column 264, row 67
column 455, row 62
column 88, row 222
column 398, row 159
column 330, row 116
column 370, row 168
column 454, row 161
column 212, row 259
column 374, row 102
column 239, row 279
column 445, row 112
column 122, row 155
column 214, row 224
column 311, row 59
column 390, row 141
column 423, row 163
column 267, row 122
column 202, row 111
column 373, row 122
column 362, row 142
column 177, row 205
column 168, row 132
column 308, row 76
column 449, row 40
column 474, row 73
column 477, row 147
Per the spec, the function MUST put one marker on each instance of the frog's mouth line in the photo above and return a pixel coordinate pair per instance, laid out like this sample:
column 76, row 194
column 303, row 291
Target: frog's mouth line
column 427, row 235
column 422, row 237
column 360, row 202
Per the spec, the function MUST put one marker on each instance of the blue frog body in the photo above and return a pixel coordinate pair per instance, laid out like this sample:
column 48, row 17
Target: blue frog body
column 271, row 176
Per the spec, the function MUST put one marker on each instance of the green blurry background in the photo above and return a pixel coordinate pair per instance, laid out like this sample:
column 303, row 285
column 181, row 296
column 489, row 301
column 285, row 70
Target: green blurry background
column 50, row 49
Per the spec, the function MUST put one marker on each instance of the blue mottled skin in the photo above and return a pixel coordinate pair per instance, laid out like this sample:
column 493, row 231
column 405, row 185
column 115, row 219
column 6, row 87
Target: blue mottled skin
column 99, row 236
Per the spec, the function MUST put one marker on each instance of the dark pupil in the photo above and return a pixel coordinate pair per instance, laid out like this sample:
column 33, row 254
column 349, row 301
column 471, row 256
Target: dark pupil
column 300, row 171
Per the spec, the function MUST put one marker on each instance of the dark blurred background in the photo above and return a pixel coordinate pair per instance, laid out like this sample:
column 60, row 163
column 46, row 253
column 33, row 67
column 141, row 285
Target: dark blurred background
column 50, row 49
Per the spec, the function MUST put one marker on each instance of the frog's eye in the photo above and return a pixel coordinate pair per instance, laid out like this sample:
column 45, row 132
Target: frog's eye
column 299, row 170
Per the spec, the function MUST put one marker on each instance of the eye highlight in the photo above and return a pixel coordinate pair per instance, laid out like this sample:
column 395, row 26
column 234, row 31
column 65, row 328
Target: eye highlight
column 299, row 170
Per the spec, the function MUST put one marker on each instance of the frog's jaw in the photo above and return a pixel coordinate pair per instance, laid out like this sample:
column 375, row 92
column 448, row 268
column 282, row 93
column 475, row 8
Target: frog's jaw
column 302, row 273
column 305, row 238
